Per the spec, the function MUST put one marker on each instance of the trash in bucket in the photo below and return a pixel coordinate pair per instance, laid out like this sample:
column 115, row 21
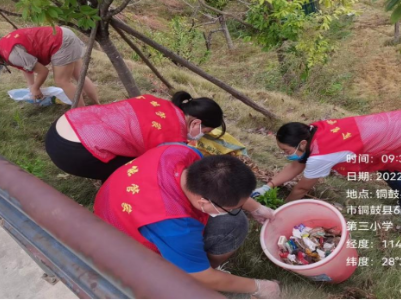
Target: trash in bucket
column 308, row 245
column 316, row 215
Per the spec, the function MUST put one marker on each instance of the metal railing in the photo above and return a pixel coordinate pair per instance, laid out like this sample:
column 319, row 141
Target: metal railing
column 89, row 256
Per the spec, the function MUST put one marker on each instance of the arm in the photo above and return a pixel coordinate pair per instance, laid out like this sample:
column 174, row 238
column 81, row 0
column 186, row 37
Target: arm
column 251, row 205
column 289, row 172
column 302, row 188
column 30, row 78
column 20, row 58
column 224, row 282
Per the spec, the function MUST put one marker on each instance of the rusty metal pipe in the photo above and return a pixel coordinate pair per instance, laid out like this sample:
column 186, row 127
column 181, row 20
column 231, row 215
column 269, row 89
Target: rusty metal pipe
column 139, row 270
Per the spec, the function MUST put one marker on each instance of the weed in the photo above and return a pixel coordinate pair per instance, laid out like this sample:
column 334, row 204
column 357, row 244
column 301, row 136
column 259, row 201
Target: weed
column 270, row 198
column 34, row 166
column 18, row 119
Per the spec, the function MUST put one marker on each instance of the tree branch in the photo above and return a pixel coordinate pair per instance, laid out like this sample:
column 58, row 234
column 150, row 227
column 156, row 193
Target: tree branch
column 9, row 13
column 143, row 57
column 104, row 8
column 207, row 23
column 123, row 26
column 119, row 9
column 196, row 9
column 8, row 20
column 85, row 66
column 201, row 2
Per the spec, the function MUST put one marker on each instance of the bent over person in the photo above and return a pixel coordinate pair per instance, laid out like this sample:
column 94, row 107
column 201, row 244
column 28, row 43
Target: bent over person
column 188, row 210
column 32, row 49
column 350, row 146
column 94, row 141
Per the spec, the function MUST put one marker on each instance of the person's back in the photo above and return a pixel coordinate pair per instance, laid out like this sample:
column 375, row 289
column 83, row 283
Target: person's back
column 129, row 127
column 147, row 190
column 40, row 42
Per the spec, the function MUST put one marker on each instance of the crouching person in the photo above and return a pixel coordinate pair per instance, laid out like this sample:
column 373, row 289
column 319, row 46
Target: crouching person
column 189, row 210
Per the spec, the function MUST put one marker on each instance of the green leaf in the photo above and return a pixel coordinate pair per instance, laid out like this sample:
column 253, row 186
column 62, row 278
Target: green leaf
column 36, row 9
column 81, row 22
column 76, row 15
column 86, row 9
column 37, row 3
column 52, row 12
column 25, row 13
column 396, row 15
column 41, row 18
column 391, row 3
column 91, row 23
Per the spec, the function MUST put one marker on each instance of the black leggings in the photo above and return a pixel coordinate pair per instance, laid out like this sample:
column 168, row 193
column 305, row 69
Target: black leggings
column 75, row 159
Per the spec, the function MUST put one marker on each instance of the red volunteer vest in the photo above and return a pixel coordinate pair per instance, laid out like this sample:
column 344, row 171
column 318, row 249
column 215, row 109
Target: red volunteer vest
column 40, row 42
column 148, row 190
column 129, row 127
column 375, row 135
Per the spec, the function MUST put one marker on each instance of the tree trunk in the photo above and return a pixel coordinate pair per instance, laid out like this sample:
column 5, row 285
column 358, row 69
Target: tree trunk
column 119, row 24
column 85, row 66
column 123, row 72
column 396, row 33
column 143, row 57
column 223, row 24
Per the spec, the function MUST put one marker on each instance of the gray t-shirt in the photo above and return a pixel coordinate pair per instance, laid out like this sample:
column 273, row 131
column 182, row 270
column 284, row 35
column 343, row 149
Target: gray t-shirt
column 71, row 50
column 20, row 58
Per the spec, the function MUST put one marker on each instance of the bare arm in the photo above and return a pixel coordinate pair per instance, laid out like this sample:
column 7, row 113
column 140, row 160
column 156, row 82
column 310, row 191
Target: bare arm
column 30, row 78
column 251, row 205
column 289, row 172
column 302, row 188
column 224, row 282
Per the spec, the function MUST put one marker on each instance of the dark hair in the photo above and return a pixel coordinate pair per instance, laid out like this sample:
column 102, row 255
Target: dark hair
column 222, row 179
column 204, row 109
column 293, row 133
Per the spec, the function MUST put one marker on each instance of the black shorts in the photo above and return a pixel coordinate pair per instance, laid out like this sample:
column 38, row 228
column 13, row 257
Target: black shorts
column 73, row 158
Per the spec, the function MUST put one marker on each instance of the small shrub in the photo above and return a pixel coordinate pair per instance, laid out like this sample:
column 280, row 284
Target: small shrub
column 270, row 198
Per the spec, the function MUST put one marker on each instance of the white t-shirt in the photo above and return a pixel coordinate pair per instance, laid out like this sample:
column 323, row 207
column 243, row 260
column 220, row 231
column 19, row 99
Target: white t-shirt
column 318, row 166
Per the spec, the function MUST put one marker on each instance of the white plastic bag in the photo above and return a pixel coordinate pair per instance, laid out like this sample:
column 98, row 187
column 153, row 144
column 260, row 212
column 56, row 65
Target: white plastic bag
column 25, row 95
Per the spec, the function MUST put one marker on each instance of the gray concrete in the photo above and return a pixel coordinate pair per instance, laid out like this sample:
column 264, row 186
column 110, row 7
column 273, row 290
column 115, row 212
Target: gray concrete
column 20, row 276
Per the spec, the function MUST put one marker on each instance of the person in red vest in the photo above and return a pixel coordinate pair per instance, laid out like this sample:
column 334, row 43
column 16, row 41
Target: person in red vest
column 353, row 146
column 94, row 141
column 188, row 210
column 32, row 49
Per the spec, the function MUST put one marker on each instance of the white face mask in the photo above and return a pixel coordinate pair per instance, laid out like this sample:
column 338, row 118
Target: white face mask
column 218, row 215
column 215, row 215
column 196, row 137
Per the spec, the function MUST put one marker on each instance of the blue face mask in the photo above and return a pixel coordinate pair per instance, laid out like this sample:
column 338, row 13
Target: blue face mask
column 294, row 156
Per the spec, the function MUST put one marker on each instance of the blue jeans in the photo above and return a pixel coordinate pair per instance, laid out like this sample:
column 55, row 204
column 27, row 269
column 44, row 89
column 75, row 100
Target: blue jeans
column 225, row 234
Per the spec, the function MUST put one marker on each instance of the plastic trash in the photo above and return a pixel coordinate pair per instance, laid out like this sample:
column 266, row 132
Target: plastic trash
column 308, row 245
column 312, row 213
column 52, row 95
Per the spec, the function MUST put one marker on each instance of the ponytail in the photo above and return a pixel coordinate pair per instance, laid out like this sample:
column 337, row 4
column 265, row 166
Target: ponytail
column 204, row 109
column 293, row 133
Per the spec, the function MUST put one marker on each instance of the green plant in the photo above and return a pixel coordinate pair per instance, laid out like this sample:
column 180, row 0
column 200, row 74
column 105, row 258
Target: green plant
column 47, row 12
column 19, row 120
column 183, row 39
column 34, row 166
column 270, row 198
column 284, row 25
